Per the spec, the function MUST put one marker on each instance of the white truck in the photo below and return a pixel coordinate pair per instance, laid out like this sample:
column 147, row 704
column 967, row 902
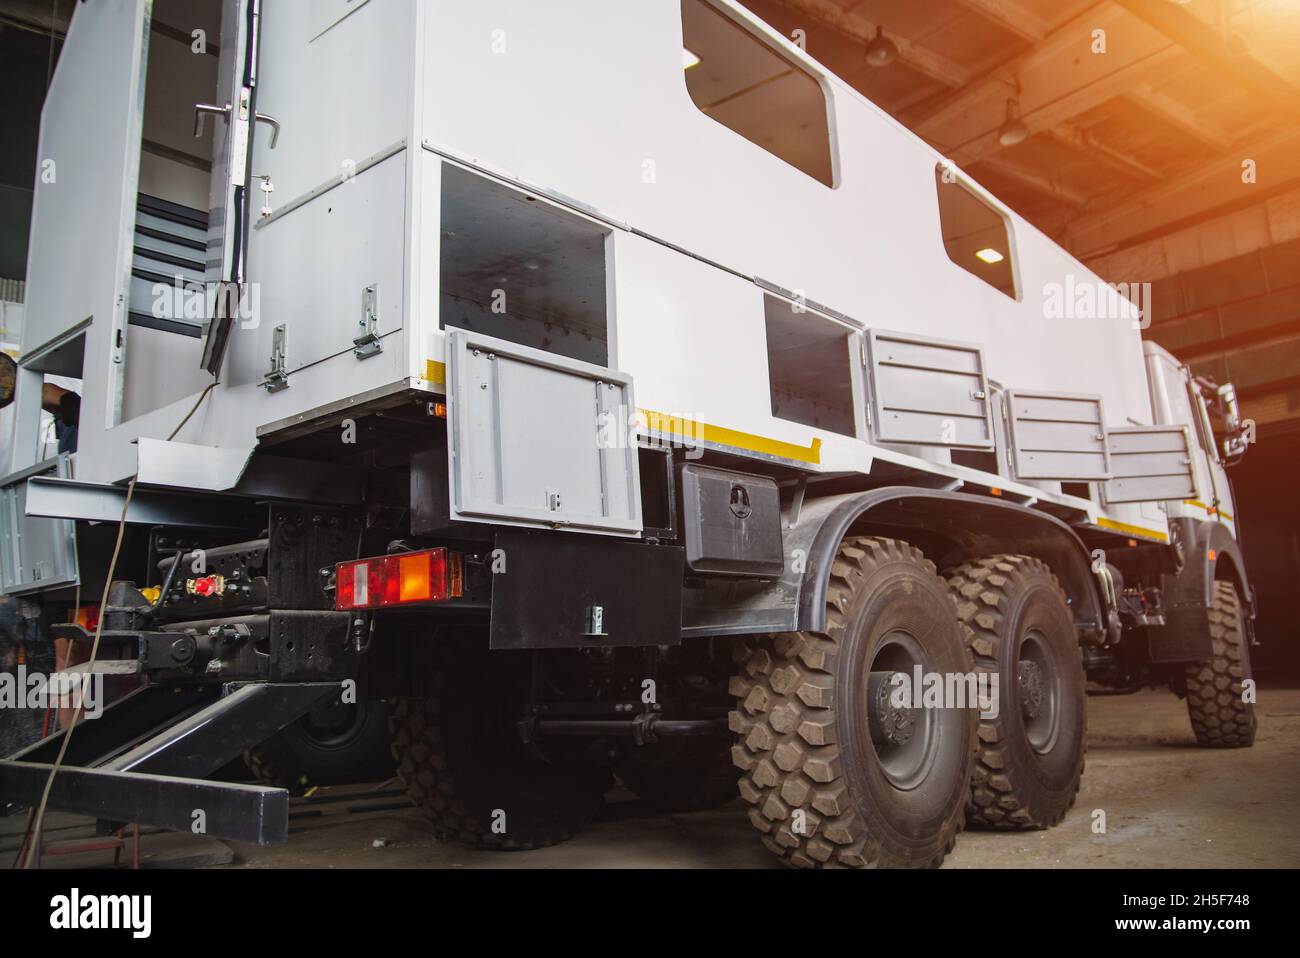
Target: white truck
column 627, row 394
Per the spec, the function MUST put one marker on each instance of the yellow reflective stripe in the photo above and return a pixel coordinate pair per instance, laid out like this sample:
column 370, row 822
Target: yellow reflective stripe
column 1131, row 530
column 1210, row 509
column 689, row 430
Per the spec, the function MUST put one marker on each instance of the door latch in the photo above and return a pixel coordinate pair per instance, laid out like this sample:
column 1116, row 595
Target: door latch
column 277, row 377
column 369, row 343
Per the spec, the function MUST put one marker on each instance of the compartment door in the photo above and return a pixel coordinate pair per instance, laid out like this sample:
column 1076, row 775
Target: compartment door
column 539, row 440
column 234, row 112
column 1057, row 436
column 36, row 553
column 928, row 392
column 86, row 175
column 1151, row 463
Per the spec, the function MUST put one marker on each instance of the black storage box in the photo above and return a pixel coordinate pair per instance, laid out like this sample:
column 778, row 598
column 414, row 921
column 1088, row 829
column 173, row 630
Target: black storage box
column 731, row 522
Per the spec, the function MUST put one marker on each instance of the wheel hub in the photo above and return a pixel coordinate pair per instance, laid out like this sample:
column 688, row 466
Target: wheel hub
column 1033, row 689
column 896, row 724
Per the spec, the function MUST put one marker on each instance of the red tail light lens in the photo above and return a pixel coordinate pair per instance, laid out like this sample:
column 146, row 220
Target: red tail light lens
column 407, row 578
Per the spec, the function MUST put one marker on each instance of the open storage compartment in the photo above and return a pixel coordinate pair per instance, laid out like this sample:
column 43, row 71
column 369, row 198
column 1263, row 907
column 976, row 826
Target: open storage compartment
column 517, row 268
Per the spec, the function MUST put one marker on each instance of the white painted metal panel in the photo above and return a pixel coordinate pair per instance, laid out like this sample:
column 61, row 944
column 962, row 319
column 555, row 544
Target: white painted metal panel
column 35, row 553
column 1057, row 436
column 87, row 164
column 870, row 248
column 1151, row 463
column 536, row 439
column 313, row 265
column 928, row 392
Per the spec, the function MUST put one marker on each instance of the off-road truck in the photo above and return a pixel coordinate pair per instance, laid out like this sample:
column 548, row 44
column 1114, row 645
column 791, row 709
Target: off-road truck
column 633, row 397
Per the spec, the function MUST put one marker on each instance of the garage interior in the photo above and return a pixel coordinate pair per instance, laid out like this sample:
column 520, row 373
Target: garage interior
column 1157, row 141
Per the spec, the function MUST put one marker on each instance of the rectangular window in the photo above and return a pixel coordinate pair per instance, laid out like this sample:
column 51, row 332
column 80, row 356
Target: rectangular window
column 745, row 84
column 976, row 235
column 808, row 360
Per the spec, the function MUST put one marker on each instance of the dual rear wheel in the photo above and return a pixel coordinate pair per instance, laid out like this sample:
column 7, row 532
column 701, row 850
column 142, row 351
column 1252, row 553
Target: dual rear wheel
column 839, row 771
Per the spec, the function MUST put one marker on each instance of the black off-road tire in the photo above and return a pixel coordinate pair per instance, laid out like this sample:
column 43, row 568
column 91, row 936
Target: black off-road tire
column 1031, row 754
column 1220, row 717
column 464, row 765
column 306, row 754
column 681, row 775
column 805, row 743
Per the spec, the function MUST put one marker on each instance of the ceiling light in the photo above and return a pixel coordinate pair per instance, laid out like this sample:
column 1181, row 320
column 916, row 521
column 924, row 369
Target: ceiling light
column 689, row 59
column 989, row 255
column 881, row 51
column 1013, row 130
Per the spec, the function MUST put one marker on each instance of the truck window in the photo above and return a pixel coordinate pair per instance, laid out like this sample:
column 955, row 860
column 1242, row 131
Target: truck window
column 808, row 368
column 976, row 235
column 745, row 84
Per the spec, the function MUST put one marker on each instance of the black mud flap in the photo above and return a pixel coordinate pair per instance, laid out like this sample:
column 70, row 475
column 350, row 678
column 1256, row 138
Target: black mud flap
column 557, row 590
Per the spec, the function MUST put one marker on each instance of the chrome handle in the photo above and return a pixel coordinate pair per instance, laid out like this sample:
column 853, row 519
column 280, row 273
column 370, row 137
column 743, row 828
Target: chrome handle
column 204, row 109
column 274, row 124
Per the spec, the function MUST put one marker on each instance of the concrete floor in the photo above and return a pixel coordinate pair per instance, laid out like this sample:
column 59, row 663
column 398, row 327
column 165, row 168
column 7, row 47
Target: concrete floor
column 1167, row 804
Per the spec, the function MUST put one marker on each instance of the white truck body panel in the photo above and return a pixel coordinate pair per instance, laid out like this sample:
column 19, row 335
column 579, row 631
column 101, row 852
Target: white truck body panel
column 582, row 103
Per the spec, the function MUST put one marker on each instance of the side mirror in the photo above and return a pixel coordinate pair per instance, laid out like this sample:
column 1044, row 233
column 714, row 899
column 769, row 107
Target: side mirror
column 1231, row 411
column 8, row 379
column 1236, row 442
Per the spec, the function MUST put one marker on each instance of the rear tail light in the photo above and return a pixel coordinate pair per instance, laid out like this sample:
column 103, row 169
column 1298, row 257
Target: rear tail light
column 407, row 578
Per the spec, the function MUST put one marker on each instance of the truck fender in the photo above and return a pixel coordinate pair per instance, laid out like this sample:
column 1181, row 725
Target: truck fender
column 1210, row 553
column 950, row 527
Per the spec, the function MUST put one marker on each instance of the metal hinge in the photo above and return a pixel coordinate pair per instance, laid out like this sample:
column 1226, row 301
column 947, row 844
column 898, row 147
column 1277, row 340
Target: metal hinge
column 277, row 377
column 369, row 343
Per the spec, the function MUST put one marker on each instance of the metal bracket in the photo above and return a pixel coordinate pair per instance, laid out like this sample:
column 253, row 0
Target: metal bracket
column 277, row 377
column 369, row 343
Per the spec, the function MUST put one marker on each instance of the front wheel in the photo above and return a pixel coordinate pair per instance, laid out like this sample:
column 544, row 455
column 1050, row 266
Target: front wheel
column 838, row 772
column 1216, row 700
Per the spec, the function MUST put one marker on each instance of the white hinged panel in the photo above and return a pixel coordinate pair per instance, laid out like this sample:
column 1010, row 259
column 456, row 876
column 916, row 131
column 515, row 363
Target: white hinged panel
column 928, row 391
column 539, row 440
column 36, row 553
column 1057, row 436
column 1150, row 463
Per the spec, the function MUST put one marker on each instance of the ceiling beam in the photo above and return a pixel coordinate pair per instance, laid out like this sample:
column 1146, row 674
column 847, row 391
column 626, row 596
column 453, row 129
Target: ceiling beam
column 1212, row 46
column 1083, row 140
column 934, row 65
column 1059, row 78
column 1010, row 16
column 1276, row 156
column 1036, row 182
column 1178, row 115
